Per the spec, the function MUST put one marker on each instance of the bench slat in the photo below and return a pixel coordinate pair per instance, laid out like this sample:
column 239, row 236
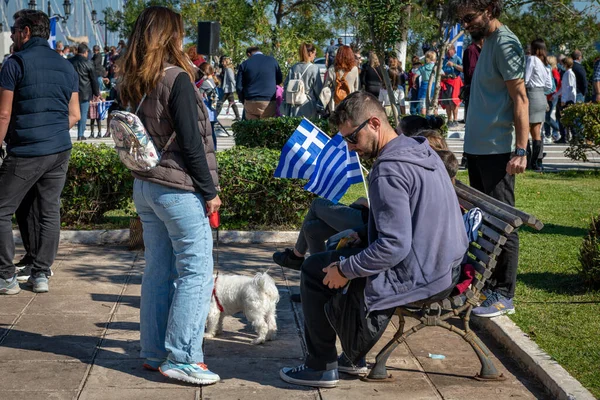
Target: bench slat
column 528, row 219
column 498, row 212
column 482, row 256
column 492, row 235
column 492, row 249
column 499, row 224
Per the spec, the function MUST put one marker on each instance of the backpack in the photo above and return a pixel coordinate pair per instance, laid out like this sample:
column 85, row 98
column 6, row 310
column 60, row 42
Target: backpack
column 133, row 143
column 295, row 92
column 342, row 88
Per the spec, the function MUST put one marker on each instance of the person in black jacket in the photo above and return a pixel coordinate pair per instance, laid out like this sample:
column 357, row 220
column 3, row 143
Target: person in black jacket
column 370, row 78
column 98, row 67
column 88, row 85
column 580, row 76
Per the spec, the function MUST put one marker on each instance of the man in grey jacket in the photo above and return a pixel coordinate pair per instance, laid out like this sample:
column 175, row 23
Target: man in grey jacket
column 416, row 237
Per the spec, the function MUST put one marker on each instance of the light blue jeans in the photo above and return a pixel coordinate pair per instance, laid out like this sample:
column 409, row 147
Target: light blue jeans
column 177, row 283
column 84, row 108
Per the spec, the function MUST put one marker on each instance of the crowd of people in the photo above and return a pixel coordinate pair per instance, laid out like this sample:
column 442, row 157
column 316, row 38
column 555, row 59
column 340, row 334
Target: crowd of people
column 405, row 243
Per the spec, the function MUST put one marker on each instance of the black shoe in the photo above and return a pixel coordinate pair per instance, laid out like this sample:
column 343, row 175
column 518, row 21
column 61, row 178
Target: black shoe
column 288, row 259
column 296, row 298
column 24, row 273
column 25, row 262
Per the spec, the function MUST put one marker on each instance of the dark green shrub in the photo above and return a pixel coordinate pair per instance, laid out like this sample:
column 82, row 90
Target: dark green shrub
column 583, row 120
column 97, row 182
column 589, row 255
column 252, row 197
column 271, row 133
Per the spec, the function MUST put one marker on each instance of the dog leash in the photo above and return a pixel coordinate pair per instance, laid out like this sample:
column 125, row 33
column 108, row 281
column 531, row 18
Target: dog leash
column 214, row 293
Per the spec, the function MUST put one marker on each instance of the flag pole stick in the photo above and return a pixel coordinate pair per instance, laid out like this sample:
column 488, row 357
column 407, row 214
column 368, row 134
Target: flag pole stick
column 362, row 172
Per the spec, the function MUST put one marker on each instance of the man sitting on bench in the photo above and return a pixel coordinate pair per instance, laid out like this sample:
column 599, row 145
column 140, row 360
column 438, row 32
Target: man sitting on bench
column 416, row 236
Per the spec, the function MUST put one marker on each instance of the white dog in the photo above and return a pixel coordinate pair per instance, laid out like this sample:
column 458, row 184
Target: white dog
column 256, row 296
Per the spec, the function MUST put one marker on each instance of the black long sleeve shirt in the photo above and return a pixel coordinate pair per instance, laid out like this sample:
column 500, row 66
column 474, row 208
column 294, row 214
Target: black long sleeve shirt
column 184, row 113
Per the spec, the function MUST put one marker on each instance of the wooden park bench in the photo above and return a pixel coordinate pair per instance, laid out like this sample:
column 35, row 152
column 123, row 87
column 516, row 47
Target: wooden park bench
column 499, row 220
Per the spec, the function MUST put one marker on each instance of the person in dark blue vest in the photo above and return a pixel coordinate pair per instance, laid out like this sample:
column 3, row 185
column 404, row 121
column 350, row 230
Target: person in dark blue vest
column 39, row 103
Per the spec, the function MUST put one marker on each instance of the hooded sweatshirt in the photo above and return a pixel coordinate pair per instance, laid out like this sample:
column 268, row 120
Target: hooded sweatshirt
column 416, row 231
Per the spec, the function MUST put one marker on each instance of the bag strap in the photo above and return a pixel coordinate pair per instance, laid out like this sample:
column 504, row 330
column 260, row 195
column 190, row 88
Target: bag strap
column 144, row 97
column 379, row 76
column 171, row 139
column 305, row 69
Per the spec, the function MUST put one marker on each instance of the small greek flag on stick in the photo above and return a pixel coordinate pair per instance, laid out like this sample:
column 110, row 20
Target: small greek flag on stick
column 299, row 154
column 337, row 168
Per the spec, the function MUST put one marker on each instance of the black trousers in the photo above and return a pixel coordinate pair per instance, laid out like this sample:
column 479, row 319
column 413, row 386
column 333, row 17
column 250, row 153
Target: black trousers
column 320, row 336
column 29, row 223
column 487, row 173
column 18, row 175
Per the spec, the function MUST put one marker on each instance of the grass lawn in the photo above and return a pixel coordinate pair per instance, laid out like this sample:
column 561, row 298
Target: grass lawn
column 552, row 305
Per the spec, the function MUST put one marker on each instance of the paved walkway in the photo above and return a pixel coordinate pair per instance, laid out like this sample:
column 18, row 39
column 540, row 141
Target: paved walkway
column 81, row 341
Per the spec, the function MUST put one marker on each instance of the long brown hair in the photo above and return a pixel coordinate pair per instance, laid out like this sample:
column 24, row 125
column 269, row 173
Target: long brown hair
column 305, row 50
column 538, row 49
column 156, row 39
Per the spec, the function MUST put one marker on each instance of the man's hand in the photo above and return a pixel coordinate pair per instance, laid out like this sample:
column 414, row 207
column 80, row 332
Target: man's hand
column 333, row 279
column 362, row 201
column 213, row 205
column 516, row 165
column 450, row 64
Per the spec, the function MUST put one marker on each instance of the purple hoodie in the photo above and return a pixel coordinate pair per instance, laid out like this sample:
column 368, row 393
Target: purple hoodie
column 416, row 231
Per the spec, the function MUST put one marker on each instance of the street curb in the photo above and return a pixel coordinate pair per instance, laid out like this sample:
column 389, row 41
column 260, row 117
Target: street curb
column 557, row 381
column 121, row 236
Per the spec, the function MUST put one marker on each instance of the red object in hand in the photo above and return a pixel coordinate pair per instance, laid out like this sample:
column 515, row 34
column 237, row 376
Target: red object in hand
column 214, row 220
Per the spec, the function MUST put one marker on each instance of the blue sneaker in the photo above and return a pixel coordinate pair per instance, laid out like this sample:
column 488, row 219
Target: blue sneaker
column 494, row 305
column 9, row 286
column 304, row 376
column 346, row 366
column 198, row 374
column 153, row 364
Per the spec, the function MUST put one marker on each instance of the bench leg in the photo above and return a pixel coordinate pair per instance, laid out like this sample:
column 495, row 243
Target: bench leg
column 488, row 369
column 379, row 371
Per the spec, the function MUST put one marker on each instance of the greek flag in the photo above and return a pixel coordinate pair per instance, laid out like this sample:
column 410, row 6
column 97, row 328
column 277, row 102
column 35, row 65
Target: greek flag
column 337, row 168
column 453, row 31
column 103, row 107
column 299, row 154
column 52, row 38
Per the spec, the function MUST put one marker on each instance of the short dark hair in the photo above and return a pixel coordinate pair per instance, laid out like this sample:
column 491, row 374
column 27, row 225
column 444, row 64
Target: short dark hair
column 482, row 5
column 576, row 55
column 37, row 21
column 355, row 108
column 82, row 48
column 411, row 125
column 96, row 47
column 450, row 162
column 252, row 49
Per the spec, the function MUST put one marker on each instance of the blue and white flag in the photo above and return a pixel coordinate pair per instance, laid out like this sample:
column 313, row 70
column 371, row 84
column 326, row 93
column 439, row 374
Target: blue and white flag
column 337, row 168
column 103, row 107
column 52, row 38
column 452, row 32
column 299, row 154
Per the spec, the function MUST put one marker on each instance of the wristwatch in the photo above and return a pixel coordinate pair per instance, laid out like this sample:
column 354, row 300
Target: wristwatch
column 520, row 152
column 337, row 264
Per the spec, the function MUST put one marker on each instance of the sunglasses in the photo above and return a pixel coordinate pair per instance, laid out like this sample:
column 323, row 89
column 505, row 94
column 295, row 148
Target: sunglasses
column 467, row 19
column 352, row 138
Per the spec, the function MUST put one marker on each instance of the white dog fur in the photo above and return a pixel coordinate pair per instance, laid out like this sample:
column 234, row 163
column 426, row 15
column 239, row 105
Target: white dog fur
column 255, row 296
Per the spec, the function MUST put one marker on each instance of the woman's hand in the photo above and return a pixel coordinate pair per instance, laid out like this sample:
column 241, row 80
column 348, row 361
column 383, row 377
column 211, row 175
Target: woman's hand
column 213, row 205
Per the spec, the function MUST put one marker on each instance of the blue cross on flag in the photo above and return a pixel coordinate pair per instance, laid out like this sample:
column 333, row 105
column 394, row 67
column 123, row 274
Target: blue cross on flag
column 299, row 154
column 337, row 168
column 451, row 33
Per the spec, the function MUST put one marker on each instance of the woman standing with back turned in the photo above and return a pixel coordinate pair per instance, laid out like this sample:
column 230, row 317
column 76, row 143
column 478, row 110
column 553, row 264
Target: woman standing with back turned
column 172, row 199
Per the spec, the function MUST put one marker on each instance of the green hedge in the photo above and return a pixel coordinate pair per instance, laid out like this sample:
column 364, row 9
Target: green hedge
column 271, row 133
column 583, row 120
column 252, row 197
column 97, row 182
column 589, row 255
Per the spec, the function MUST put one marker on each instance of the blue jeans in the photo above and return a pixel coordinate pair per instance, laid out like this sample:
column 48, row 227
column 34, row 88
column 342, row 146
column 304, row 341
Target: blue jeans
column 550, row 125
column 177, row 283
column 84, row 108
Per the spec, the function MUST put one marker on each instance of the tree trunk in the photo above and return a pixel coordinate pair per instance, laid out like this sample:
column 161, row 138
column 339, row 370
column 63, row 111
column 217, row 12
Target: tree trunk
column 401, row 48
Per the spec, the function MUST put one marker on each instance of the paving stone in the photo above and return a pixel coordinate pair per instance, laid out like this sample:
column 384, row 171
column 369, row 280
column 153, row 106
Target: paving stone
column 126, row 374
column 238, row 344
column 18, row 376
column 79, row 287
column 28, row 394
column 256, row 374
column 57, row 337
column 48, row 303
column 13, row 304
column 136, row 394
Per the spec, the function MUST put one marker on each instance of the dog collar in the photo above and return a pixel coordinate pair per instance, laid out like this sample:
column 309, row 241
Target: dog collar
column 214, row 293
